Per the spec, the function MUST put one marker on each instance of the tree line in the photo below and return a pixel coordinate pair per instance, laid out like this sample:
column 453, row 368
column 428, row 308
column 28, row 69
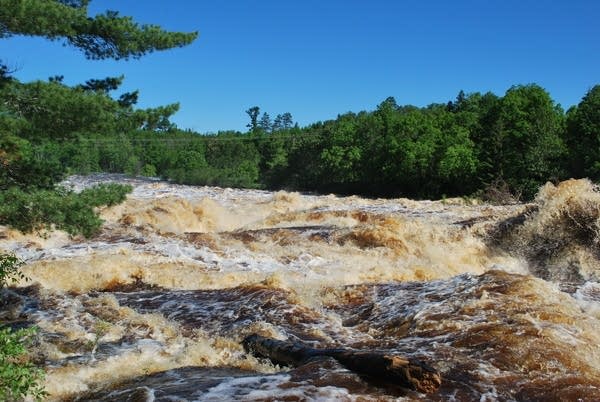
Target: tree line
column 478, row 141
column 468, row 146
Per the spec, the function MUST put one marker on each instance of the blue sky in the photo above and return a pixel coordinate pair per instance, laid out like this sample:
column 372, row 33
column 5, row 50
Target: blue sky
column 318, row 58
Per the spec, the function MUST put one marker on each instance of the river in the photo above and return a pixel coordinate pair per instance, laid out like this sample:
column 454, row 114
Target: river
column 502, row 300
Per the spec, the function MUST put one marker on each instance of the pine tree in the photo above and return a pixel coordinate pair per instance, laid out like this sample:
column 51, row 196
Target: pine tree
column 104, row 36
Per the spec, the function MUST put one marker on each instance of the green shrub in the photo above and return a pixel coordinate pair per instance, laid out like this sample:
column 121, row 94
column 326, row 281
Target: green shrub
column 9, row 269
column 108, row 194
column 40, row 210
column 132, row 166
column 148, row 170
column 19, row 377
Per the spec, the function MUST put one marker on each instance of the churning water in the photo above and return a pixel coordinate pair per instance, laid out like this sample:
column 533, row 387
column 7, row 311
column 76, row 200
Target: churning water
column 504, row 301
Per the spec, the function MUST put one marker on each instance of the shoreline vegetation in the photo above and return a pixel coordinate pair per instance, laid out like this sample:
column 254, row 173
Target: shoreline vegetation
column 499, row 149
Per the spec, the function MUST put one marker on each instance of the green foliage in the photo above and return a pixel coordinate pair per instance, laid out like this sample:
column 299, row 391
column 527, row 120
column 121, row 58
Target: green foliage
column 25, row 164
column 393, row 150
column 9, row 269
column 105, row 194
column 106, row 35
column 102, row 85
column 342, row 154
column 531, row 147
column 19, row 377
column 458, row 161
column 234, row 163
column 148, row 170
column 52, row 110
column 40, row 210
column 253, row 113
column 226, row 159
column 132, row 166
column 453, row 149
column 462, row 147
column 583, row 136
column 34, row 166
column 84, row 156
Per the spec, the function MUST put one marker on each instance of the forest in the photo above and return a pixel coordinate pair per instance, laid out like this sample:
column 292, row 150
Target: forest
column 474, row 143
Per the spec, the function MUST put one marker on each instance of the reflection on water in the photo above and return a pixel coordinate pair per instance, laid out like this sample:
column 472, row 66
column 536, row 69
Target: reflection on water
column 155, row 306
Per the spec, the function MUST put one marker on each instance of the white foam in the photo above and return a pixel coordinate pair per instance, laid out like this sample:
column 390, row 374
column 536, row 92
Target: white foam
column 588, row 297
column 270, row 388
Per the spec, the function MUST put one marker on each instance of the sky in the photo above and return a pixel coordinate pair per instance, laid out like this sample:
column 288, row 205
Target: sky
column 320, row 58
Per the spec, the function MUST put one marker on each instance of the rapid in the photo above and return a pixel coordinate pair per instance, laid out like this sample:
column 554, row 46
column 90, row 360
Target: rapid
column 502, row 300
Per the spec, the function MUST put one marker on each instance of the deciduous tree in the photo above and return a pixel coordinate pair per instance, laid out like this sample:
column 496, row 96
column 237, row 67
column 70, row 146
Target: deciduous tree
column 583, row 135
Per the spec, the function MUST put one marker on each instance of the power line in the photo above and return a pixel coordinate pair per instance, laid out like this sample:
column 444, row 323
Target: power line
column 187, row 140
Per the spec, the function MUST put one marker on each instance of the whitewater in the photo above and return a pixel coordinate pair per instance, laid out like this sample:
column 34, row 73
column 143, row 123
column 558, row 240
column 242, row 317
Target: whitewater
column 502, row 300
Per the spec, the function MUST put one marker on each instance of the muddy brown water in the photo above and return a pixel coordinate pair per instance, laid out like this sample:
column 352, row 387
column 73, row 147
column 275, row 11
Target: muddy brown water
column 504, row 301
